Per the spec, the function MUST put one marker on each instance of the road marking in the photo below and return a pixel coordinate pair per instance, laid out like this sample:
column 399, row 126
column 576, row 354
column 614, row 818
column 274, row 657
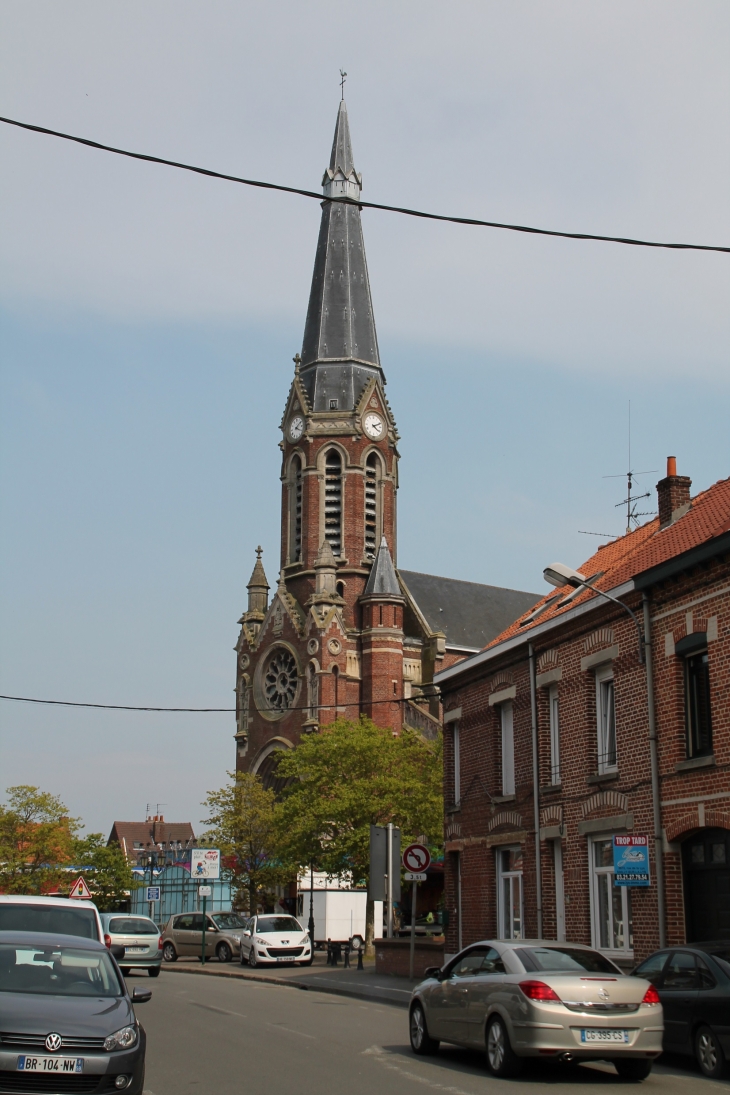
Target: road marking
column 385, row 1059
column 221, row 1011
column 280, row 1026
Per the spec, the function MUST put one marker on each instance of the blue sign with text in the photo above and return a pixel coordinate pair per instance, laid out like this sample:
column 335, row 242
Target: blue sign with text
column 631, row 861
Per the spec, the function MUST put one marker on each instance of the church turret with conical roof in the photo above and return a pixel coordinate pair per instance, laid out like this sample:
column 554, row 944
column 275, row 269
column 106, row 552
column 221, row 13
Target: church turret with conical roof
column 342, row 636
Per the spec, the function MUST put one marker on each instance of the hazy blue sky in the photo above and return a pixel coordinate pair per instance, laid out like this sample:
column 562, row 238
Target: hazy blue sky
column 149, row 319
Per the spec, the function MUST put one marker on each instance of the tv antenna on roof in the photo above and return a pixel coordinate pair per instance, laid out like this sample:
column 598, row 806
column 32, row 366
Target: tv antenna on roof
column 632, row 500
column 157, row 808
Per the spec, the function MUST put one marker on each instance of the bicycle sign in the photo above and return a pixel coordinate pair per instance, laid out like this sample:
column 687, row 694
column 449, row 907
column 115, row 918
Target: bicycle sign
column 416, row 858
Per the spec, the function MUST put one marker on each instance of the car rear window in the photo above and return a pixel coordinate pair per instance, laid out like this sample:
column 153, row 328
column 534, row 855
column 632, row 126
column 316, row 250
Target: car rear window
column 722, row 957
column 57, row 971
column 277, row 924
column 226, row 921
column 132, row 925
column 53, row 919
column 565, row 960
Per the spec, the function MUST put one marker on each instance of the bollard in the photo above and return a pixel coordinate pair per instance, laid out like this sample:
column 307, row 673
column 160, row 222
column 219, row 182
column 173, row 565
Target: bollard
column 336, row 952
column 359, row 958
column 346, row 963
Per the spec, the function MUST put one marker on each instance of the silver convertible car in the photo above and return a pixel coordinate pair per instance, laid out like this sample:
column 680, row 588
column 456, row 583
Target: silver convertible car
column 531, row 998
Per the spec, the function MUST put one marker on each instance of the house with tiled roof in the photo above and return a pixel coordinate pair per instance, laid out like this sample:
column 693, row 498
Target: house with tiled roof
column 153, row 840
column 599, row 721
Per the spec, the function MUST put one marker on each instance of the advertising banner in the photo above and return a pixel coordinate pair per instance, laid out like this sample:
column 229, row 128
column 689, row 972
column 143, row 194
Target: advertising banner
column 631, row 861
column 205, row 863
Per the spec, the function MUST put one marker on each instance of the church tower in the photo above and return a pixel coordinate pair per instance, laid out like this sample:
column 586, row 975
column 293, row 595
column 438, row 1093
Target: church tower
column 330, row 643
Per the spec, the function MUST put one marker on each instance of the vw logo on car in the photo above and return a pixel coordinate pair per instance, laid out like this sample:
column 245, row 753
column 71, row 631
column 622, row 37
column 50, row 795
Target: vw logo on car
column 53, row 1042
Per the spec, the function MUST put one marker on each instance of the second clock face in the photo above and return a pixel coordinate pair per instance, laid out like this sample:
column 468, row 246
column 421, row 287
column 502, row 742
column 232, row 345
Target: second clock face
column 296, row 428
column 373, row 425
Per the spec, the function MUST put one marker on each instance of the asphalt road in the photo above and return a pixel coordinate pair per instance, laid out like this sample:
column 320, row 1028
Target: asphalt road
column 218, row 1036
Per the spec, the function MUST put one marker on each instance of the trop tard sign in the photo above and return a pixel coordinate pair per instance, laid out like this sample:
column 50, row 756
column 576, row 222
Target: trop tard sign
column 631, row 861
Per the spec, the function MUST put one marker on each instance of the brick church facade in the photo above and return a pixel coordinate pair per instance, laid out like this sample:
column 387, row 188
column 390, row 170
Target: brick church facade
column 345, row 632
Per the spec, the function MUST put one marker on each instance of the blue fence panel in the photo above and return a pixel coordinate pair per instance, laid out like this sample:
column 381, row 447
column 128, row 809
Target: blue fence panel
column 178, row 894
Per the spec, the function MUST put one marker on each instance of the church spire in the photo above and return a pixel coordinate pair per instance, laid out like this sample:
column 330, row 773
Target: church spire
column 340, row 347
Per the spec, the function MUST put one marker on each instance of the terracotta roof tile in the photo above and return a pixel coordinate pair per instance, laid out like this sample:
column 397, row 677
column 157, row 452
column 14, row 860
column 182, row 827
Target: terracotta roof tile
column 636, row 552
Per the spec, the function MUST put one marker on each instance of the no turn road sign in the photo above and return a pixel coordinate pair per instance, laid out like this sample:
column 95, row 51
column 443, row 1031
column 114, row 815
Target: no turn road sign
column 416, row 858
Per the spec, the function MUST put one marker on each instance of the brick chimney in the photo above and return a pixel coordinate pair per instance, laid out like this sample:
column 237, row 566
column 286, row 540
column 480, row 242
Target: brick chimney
column 673, row 494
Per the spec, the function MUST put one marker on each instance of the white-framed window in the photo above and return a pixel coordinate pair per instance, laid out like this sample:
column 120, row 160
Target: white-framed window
column 554, row 734
column 457, row 763
column 606, row 716
column 611, row 922
column 510, row 916
column 508, row 748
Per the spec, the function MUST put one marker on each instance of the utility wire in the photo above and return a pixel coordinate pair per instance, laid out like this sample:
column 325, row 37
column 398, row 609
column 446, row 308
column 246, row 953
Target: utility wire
column 200, row 710
column 363, row 204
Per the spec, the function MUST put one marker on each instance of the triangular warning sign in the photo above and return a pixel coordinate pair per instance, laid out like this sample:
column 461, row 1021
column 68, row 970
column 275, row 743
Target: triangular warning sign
column 80, row 889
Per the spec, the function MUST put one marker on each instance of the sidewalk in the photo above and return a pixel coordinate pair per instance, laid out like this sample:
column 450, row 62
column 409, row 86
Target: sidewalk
column 364, row 984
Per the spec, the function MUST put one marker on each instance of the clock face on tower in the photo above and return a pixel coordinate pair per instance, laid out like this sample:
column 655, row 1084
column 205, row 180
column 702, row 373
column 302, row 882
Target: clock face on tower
column 373, row 424
column 296, row 428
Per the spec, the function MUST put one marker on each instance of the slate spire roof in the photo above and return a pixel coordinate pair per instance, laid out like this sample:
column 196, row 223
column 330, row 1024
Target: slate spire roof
column 383, row 580
column 340, row 347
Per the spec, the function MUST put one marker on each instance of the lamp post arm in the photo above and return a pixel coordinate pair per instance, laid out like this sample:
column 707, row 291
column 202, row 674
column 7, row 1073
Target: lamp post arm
column 626, row 609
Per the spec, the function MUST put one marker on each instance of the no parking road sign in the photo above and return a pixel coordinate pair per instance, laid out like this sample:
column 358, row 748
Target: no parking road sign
column 416, row 858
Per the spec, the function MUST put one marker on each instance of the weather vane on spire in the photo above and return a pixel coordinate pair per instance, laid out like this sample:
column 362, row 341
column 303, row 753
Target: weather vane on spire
column 343, row 77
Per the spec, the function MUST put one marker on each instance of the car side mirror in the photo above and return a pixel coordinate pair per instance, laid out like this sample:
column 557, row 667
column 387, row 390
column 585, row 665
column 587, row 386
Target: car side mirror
column 247, row 932
column 432, row 971
column 141, row 996
column 117, row 952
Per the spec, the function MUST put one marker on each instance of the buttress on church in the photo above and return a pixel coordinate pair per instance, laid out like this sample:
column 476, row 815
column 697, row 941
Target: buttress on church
column 346, row 632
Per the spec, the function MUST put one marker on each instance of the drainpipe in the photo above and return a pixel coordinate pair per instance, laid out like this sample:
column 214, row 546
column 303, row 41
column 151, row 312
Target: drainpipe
column 655, row 793
column 536, row 787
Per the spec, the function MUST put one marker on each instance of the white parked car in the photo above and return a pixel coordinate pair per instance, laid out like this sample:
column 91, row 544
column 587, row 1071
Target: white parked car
column 50, row 915
column 275, row 938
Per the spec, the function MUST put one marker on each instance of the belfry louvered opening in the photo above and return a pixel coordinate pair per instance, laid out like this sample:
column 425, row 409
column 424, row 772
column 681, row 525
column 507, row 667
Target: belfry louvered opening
column 371, row 506
column 333, row 501
column 295, row 497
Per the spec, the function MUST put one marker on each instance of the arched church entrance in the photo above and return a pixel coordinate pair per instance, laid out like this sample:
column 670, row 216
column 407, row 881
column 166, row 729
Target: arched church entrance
column 265, row 766
column 706, row 865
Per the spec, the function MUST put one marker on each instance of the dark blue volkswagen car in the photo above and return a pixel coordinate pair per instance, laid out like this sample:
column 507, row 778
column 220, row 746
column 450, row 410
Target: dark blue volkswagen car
column 66, row 1018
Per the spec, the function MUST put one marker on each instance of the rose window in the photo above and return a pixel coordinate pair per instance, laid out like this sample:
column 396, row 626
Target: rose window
column 280, row 681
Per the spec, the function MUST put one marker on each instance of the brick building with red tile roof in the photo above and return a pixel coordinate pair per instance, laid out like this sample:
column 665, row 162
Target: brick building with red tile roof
column 580, row 723
column 163, row 840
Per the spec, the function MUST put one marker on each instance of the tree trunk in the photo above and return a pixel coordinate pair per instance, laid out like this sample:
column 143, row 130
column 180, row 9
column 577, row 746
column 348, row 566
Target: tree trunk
column 370, row 927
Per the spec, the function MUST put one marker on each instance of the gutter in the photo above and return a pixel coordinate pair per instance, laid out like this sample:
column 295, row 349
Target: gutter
column 529, row 634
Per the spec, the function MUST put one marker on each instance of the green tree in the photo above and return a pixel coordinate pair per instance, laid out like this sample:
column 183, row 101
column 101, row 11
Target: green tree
column 36, row 840
column 106, row 871
column 243, row 826
column 348, row 777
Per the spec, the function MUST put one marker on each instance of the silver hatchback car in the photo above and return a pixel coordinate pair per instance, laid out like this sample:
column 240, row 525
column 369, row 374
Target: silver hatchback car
column 140, row 938
column 532, row 998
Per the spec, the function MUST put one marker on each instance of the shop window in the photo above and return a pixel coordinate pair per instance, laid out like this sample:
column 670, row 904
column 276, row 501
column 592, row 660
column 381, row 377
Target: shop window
column 554, row 734
column 697, row 693
column 508, row 749
column 606, row 714
column 610, row 905
column 509, row 893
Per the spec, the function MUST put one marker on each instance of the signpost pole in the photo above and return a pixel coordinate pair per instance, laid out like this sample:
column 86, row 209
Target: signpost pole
column 389, row 862
column 414, row 902
column 202, row 952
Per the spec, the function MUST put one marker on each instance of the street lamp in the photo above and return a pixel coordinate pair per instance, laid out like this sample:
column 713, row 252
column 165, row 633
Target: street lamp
column 310, row 926
column 557, row 574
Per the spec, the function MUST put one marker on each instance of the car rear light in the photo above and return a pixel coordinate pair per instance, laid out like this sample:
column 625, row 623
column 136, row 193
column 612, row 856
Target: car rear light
column 651, row 996
column 159, row 943
column 538, row 990
column 107, row 941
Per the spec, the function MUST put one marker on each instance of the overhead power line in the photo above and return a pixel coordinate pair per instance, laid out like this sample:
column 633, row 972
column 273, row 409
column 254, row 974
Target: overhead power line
column 196, row 710
column 362, row 204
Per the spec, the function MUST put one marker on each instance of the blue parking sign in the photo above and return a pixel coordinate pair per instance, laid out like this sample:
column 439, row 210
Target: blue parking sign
column 631, row 861
column 152, row 893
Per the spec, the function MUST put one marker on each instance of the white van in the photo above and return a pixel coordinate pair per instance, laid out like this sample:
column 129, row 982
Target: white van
column 53, row 915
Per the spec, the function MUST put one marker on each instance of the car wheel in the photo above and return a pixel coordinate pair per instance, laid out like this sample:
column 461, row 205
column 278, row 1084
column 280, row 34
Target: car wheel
column 154, row 971
column 501, row 1058
column 223, row 952
column 633, row 1072
column 709, row 1053
column 421, row 1041
column 252, row 959
column 169, row 953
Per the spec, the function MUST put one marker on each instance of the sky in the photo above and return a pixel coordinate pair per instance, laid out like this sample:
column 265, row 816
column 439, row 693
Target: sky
column 148, row 320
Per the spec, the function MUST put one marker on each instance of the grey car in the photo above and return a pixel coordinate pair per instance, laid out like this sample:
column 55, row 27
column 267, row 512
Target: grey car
column 66, row 1015
column 140, row 937
column 182, row 936
column 532, row 998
